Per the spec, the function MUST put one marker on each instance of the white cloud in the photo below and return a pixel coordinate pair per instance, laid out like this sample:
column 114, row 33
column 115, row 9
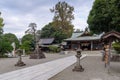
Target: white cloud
column 81, row 15
column 17, row 14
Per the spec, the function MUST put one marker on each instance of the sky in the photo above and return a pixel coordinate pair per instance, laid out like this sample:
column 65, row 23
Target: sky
column 18, row 14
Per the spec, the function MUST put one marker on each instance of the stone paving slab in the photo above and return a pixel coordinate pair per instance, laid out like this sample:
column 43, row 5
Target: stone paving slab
column 8, row 63
column 94, row 70
column 42, row 71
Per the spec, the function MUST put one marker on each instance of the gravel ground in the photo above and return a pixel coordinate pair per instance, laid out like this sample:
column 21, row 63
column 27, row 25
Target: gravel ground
column 7, row 64
column 94, row 70
column 94, row 67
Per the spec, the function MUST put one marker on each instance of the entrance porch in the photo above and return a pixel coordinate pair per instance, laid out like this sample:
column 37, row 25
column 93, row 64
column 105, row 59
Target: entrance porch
column 85, row 45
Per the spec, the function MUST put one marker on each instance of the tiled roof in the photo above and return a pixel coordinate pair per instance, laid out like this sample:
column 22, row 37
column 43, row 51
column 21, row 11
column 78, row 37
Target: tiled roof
column 111, row 34
column 75, row 35
column 85, row 38
column 46, row 41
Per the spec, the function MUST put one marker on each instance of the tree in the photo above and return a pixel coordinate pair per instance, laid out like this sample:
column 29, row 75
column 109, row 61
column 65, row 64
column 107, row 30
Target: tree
column 38, row 35
column 32, row 30
column 1, row 32
column 104, row 16
column 1, row 24
column 27, row 37
column 49, row 31
column 27, row 46
column 7, row 40
column 63, row 15
column 10, row 38
column 63, row 12
column 27, row 42
column 5, row 47
column 59, row 35
column 116, row 12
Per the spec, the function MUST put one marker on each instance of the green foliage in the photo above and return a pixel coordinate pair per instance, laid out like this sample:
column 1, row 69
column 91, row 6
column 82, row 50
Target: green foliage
column 27, row 37
column 59, row 35
column 4, row 46
column 61, row 27
column 104, row 16
column 1, row 22
column 63, row 12
column 116, row 46
column 32, row 30
column 3, row 56
column 1, row 25
column 67, row 29
column 27, row 43
column 27, row 46
column 10, row 38
column 49, row 31
column 63, row 15
column 54, row 49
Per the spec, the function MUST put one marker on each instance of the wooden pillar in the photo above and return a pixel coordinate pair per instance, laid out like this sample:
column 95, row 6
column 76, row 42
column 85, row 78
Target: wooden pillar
column 71, row 44
column 78, row 45
column 110, row 43
column 91, row 45
column 107, row 57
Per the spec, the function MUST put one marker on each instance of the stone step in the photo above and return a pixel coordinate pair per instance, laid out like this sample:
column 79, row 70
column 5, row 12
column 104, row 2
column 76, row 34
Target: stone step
column 42, row 71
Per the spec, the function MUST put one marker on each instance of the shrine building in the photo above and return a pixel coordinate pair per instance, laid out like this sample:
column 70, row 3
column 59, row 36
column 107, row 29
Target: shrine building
column 85, row 41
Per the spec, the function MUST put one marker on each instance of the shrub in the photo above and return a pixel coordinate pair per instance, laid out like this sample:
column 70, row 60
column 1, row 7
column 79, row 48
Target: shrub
column 3, row 56
column 116, row 46
column 54, row 49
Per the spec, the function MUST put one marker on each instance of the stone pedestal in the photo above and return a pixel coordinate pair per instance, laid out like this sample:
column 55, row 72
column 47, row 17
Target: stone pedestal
column 37, row 54
column 20, row 62
column 78, row 67
column 62, row 50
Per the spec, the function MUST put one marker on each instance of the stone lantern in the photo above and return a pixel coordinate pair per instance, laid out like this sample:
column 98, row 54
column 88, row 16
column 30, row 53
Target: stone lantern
column 78, row 67
column 20, row 62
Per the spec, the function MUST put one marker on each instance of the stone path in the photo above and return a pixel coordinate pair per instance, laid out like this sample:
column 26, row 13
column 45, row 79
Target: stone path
column 7, row 64
column 41, row 71
column 94, row 70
